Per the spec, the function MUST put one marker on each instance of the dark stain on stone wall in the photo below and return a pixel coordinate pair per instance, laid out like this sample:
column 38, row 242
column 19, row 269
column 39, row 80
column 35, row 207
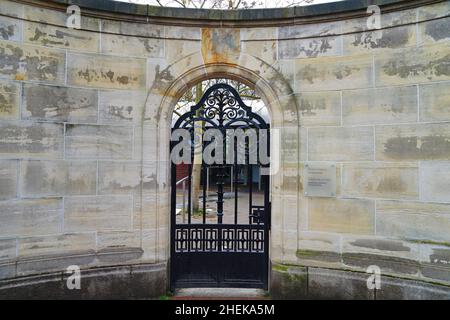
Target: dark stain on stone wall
column 309, row 73
column 427, row 147
column 59, row 38
column 91, row 75
column 386, row 263
column 403, row 69
column 440, row 256
column 7, row 32
column 36, row 65
column 46, row 102
column 344, row 72
column 29, row 139
column 390, row 38
column 310, row 49
column 392, row 184
column 7, row 100
column 378, row 244
column 148, row 47
column 121, row 112
column 438, row 30
column 307, row 107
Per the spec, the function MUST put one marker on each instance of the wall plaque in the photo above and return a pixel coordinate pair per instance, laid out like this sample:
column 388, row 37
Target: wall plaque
column 320, row 180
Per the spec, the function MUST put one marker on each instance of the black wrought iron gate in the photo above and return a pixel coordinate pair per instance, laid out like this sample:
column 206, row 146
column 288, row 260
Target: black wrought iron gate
column 231, row 248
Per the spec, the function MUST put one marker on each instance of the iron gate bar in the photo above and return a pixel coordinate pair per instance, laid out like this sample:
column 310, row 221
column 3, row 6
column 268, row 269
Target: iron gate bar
column 204, row 192
column 236, row 173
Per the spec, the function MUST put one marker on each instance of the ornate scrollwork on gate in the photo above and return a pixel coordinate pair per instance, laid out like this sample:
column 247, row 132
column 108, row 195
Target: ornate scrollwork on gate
column 220, row 107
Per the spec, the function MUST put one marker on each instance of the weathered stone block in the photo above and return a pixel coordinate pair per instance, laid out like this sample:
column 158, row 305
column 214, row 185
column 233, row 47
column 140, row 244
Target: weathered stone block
column 99, row 142
column 310, row 30
column 402, row 289
column 388, row 19
column 132, row 46
column 51, row 103
column 319, row 108
column 413, row 65
column 158, row 77
column 383, row 39
column 116, row 107
column 30, row 217
column 258, row 33
column 58, row 178
column 97, row 213
column 106, row 71
column 435, row 101
column 59, row 18
column 336, row 284
column 379, row 246
column 9, row 100
column 310, row 48
column 435, row 181
column 334, row 73
column 221, row 45
column 288, row 149
column 340, row 144
column 413, row 220
column 7, row 249
column 178, row 49
column 342, row 215
column 264, row 50
column 62, row 37
column 381, row 181
column 133, row 29
column 391, row 264
column 117, row 177
column 24, row 62
column 56, row 244
column 435, row 31
column 8, row 179
column 288, row 282
column 435, row 10
column 183, row 32
column 435, row 260
column 11, row 8
column 319, row 247
column 413, row 142
column 118, row 239
column 10, row 29
column 392, row 256
column 35, row 265
column 7, row 270
column 27, row 139
column 287, row 69
column 379, row 106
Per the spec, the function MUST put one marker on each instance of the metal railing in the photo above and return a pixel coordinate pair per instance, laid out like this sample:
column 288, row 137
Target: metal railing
column 183, row 181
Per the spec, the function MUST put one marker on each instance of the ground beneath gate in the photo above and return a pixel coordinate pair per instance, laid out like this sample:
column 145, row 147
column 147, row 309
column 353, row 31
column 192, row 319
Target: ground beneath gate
column 220, row 294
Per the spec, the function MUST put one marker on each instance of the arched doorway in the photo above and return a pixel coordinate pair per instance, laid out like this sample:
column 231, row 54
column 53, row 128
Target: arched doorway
column 281, row 105
column 220, row 237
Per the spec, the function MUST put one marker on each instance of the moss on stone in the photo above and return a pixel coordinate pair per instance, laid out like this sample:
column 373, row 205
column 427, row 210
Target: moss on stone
column 307, row 253
column 431, row 242
column 280, row 267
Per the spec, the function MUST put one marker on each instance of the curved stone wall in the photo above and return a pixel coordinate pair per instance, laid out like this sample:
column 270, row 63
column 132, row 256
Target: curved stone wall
column 84, row 132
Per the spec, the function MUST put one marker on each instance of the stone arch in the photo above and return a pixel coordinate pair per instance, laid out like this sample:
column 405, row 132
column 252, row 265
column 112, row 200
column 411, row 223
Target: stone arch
column 278, row 96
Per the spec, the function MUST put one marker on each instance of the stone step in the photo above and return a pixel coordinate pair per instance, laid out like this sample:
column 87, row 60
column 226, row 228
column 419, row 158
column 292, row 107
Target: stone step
column 220, row 294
